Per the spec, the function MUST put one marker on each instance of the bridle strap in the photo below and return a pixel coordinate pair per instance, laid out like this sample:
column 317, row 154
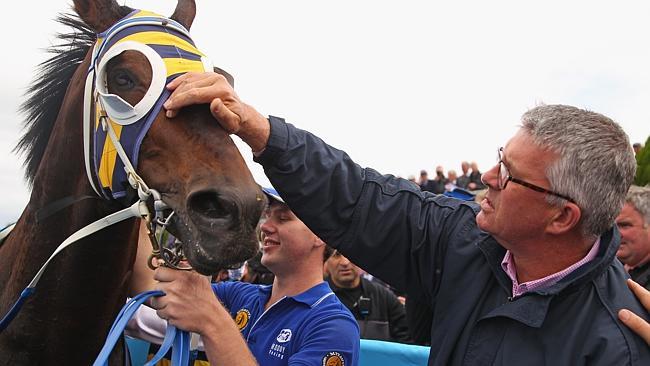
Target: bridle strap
column 138, row 209
column 58, row 205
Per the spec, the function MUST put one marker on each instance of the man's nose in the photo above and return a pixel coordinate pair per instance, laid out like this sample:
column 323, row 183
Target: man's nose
column 267, row 227
column 344, row 261
column 489, row 178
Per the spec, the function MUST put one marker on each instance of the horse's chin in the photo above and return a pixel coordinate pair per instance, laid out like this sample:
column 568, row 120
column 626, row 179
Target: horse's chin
column 208, row 252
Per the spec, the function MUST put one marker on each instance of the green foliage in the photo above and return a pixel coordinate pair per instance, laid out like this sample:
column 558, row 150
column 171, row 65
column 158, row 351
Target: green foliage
column 643, row 165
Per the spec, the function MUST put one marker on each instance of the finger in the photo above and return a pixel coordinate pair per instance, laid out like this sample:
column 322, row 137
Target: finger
column 640, row 292
column 164, row 274
column 229, row 120
column 171, row 113
column 638, row 325
column 158, row 302
column 162, row 314
column 184, row 97
column 179, row 80
column 200, row 81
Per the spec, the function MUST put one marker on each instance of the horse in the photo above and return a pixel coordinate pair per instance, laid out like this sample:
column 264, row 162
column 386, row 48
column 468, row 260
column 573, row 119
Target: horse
column 190, row 160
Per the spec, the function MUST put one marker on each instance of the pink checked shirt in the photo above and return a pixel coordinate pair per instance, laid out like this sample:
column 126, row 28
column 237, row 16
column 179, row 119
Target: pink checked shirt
column 508, row 266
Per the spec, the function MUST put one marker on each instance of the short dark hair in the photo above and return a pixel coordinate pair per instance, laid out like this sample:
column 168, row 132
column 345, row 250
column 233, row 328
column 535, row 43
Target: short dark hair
column 327, row 253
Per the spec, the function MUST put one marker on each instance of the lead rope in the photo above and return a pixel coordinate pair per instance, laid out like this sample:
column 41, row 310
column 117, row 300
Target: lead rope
column 176, row 340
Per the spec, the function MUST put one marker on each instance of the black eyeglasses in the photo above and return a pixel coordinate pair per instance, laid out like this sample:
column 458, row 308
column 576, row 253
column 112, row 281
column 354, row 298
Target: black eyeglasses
column 503, row 177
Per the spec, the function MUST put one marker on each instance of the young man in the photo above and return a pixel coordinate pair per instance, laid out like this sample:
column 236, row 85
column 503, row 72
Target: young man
column 296, row 321
column 530, row 278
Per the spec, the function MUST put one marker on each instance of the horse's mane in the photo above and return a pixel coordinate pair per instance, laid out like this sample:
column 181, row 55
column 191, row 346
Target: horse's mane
column 47, row 90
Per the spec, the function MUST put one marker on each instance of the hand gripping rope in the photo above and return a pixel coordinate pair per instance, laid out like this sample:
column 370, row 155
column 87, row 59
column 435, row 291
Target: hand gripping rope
column 176, row 340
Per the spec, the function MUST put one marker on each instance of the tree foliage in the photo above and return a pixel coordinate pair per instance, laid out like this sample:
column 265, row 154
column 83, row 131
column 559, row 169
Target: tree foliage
column 643, row 165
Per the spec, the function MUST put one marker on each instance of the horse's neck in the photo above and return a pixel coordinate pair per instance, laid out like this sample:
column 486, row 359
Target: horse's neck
column 83, row 288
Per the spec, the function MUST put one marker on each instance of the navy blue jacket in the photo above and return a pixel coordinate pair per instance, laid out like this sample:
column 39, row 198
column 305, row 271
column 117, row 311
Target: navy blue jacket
column 430, row 245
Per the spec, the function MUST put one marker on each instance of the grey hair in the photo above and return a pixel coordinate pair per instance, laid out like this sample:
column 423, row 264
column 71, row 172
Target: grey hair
column 596, row 162
column 639, row 197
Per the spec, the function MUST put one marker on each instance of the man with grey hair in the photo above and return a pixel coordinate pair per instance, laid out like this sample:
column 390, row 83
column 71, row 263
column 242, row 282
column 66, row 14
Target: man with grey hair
column 634, row 224
column 529, row 278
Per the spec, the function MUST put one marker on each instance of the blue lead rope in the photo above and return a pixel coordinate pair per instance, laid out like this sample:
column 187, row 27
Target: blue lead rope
column 15, row 308
column 176, row 340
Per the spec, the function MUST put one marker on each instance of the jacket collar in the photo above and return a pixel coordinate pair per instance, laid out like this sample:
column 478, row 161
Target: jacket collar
column 532, row 307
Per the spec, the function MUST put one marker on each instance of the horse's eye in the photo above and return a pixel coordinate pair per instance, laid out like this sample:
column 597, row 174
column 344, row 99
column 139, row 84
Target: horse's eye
column 122, row 81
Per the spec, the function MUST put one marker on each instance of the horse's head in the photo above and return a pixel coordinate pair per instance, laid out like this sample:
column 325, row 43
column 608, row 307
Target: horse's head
column 190, row 159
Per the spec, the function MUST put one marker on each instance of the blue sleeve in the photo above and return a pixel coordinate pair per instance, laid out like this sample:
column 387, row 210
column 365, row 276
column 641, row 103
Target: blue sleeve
column 230, row 293
column 329, row 337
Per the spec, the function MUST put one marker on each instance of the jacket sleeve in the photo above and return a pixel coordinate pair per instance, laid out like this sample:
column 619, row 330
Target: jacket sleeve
column 397, row 320
column 384, row 224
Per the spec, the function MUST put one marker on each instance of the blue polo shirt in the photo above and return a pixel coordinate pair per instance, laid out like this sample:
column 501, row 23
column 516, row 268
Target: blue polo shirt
column 312, row 328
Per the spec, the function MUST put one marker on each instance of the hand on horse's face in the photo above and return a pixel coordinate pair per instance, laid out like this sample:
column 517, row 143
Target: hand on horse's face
column 189, row 303
column 206, row 88
column 234, row 116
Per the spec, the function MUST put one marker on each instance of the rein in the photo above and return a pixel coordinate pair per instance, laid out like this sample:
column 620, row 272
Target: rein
column 113, row 133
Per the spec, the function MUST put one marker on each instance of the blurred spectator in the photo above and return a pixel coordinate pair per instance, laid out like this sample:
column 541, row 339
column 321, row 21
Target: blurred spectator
column 634, row 224
column 480, row 195
column 637, row 147
column 379, row 313
column 423, row 182
column 255, row 272
column 451, row 181
column 463, row 180
column 434, row 186
column 475, row 178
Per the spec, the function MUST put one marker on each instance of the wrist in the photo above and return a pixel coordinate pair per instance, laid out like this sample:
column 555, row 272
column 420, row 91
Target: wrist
column 255, row 130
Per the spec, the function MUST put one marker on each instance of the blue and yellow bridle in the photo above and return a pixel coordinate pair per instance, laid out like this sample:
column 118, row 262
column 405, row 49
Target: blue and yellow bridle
column 113, row 128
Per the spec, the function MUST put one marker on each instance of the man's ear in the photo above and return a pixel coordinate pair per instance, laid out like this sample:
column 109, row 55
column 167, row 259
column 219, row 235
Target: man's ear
column 230, row 78
column 565, row 219
column 318, row 242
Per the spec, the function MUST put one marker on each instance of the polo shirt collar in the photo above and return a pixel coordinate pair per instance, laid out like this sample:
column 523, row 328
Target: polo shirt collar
column 310, row 297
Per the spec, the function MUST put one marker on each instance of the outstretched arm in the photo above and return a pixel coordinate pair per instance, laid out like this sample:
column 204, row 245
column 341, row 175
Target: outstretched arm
column 635, row 322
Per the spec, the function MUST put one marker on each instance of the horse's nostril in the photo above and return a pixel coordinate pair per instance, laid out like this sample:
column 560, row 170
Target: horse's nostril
column 210, row 205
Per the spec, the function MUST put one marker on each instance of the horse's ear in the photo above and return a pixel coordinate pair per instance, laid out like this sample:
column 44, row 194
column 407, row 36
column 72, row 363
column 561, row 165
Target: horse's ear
column 100, row 14
column 231, row 80
column 185, row 13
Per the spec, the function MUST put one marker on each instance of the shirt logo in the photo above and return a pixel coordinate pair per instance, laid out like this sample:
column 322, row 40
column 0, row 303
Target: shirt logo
column 242, row 317
column 284, row 336
column 333, row 359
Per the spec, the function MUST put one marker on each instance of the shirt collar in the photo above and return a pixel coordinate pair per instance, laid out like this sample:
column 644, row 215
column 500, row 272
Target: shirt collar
column 311, row 297
column 508, row 266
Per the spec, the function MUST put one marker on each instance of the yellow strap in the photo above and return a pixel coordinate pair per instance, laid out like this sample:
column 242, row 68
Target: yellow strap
column 109, row 155
column 162, row 38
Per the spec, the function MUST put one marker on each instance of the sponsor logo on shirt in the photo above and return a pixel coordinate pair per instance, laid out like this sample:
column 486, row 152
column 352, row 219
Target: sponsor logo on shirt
column 242, row 317
column 333, row 359
column 277, row 350
column 284, row 336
